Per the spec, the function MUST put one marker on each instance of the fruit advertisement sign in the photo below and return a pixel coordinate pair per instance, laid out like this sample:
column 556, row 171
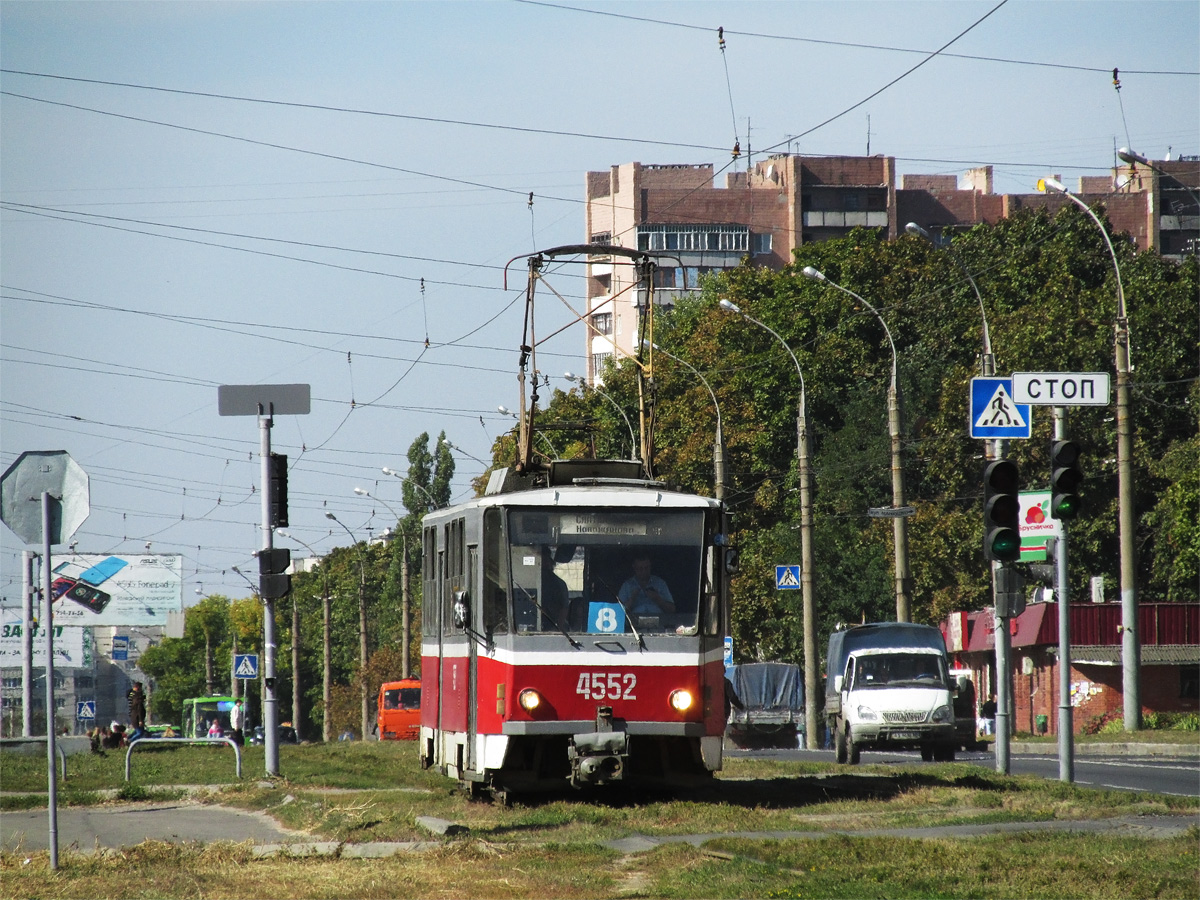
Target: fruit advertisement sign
column 1036, row 525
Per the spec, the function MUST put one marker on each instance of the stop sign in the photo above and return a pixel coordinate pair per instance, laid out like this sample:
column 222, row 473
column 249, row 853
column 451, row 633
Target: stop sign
column 21, row 487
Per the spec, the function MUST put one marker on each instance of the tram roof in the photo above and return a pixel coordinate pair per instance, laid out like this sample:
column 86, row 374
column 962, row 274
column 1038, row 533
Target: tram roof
column 587, row 495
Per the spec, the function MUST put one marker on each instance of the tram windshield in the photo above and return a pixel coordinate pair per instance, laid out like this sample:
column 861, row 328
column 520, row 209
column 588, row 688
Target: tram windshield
column 606, row 571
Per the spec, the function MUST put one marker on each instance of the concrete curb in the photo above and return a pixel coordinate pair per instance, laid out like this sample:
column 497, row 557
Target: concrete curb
column 1174, row 751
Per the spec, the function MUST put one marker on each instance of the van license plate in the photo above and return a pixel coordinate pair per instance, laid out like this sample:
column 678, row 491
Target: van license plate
column 906, row 736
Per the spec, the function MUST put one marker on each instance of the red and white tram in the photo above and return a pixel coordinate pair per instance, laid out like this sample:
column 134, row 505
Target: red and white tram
column 526, row 689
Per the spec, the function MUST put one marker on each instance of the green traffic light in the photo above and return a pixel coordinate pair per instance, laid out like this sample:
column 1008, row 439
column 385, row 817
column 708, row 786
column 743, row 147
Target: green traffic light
column 1064, row 506
column 1005, row 544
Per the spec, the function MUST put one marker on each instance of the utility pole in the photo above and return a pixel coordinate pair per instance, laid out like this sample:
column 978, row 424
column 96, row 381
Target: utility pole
column 265, row 401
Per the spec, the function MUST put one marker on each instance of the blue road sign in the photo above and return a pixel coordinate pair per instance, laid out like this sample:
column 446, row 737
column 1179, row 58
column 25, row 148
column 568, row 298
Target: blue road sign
column 85, row 709
column 120, row 647
column 245, row 665
column 728, row 651
column 994, row 413
column 787, row 578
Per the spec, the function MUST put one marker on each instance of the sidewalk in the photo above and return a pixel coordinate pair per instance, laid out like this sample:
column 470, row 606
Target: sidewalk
column 89, row 830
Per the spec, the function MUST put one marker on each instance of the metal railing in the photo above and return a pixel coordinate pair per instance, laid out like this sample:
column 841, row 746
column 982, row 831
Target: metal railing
column 176, row 740
column 62, row 754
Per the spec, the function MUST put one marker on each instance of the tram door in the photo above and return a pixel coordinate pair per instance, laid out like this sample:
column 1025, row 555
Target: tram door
column 475, row 627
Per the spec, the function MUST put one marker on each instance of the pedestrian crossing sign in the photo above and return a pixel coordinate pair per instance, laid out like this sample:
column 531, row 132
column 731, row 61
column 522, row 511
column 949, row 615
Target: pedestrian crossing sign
column 245, row 665
column 85, row 709
column 994, row 413
column 787, row 578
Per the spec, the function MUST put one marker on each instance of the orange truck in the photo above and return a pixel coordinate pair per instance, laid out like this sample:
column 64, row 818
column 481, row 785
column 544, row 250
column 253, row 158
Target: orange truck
column 399, row 717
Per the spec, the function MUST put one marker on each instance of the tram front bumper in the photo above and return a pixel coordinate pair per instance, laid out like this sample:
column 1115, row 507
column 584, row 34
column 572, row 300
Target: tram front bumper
column 598, row 757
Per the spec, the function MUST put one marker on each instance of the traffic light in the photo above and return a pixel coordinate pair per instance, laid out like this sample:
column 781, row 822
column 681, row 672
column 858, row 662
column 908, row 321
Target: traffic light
column 1001, row 511
column 278, row 488
column 273, row 580
column 1065, row 478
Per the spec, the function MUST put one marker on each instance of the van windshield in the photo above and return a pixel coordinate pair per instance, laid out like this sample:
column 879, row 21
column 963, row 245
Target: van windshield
column 900, row 670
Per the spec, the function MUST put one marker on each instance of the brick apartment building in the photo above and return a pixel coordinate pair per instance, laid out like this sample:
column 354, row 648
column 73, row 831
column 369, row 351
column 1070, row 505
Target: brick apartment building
column 1170, row 661
column 788, row 200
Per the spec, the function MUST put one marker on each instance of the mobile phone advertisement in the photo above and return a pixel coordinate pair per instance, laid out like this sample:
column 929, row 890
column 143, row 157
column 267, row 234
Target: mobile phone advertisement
column 139, row 589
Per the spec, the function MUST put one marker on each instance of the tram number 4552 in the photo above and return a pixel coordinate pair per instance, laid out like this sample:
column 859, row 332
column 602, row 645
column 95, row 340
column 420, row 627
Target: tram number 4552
column 611, row 685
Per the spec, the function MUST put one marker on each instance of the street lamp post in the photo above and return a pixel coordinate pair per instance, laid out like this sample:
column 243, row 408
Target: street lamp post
column 433, row 504
column 582, row 382
column 1132, row 157
column 446, row 442
column 327, row 676
column 405, row 595
column 1131, row 650
column 806, row 544
column 405, row 628
column 987, row 361
column 719, row 441
column 362, row 624
column 899, row 522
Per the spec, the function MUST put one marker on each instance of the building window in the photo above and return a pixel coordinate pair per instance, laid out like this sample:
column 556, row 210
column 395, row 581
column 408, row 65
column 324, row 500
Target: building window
column 761, row 243
column 850, row 202
column 602, row 323
column 719, row 238
column 598, row 362
column 603, row 237
column 1189, row 682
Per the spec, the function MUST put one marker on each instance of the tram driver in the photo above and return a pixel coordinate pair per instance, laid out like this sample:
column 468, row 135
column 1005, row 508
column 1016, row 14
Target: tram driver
column 644, row 593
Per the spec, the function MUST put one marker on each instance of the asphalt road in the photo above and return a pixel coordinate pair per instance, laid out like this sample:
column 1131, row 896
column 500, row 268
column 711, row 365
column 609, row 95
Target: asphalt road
column 1119, row 770
column 124, row 825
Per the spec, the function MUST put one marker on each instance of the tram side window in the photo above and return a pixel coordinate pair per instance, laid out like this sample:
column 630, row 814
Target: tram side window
column 429, row 622
column 452, row 559
column 495, row 596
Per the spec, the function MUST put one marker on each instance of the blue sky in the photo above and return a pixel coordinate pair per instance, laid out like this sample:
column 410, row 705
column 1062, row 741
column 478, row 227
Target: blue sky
column 266, row 212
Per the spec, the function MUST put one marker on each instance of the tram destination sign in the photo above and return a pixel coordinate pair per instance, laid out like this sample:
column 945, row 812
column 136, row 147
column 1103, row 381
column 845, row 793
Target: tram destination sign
column 1061, row 388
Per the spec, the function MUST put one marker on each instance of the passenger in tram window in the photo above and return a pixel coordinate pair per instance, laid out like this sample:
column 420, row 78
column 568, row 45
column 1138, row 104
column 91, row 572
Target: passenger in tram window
column 555, row 596
column 644, row 593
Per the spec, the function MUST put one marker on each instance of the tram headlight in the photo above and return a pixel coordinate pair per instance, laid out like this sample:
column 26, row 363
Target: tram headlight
column 530, row 700
column 681, row 701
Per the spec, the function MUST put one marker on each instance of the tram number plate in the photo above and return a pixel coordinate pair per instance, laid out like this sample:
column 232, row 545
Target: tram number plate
column 906, row 735
column 607, row 685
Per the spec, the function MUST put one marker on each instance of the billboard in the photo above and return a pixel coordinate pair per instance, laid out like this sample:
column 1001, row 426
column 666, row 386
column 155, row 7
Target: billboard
column 72, row 646
column 1036, row 525
column 139, row 589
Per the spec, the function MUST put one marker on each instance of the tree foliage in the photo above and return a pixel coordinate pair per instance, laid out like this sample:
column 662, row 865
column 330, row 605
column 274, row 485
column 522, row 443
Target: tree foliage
column 1048, row 289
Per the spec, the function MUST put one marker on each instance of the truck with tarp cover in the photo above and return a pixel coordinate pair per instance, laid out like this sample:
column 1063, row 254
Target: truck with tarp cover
column 769, row 707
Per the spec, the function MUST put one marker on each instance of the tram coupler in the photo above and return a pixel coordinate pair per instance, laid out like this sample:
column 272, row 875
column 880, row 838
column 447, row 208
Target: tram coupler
column 598, row 757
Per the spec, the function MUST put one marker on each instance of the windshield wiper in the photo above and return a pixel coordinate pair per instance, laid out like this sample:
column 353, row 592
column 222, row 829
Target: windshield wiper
column 629, row 616
column 550, row 618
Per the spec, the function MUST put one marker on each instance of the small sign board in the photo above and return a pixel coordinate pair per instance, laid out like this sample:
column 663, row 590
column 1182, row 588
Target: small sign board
column 263, row 400
column 85, row 709
column 1061, row 388
column 120, row 648
column 995, row 415
column 787, row 578
column 1037, row 525
column 728, row 651
column 245, row 665
column 606, row 618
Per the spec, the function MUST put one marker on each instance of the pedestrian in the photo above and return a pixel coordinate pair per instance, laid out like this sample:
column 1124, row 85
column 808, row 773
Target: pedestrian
column 137, row 707
column 987, row 713
column 237, row 718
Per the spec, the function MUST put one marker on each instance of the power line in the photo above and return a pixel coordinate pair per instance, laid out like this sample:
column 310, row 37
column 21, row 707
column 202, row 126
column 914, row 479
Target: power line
column 849, row 44
column 435, row 120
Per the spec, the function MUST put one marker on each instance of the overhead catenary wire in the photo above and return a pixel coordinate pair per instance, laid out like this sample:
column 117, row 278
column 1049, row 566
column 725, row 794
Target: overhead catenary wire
column 848, row 44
